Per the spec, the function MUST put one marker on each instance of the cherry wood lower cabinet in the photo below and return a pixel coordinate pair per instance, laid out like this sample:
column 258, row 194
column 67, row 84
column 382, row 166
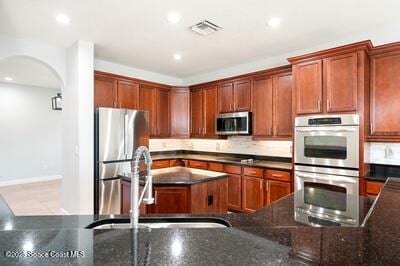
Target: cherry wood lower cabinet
column 235, row 192
column 207, row 197
column 373, row 188
column 252, row 193
column 170, row 200
column 275, row 190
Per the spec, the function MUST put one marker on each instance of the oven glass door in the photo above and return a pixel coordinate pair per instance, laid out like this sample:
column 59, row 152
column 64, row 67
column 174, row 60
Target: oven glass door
column 232, row 125
column 327, row 146
column 328, row 197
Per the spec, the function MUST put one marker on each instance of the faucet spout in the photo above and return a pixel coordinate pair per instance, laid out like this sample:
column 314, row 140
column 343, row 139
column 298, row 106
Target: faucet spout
column 136, row 199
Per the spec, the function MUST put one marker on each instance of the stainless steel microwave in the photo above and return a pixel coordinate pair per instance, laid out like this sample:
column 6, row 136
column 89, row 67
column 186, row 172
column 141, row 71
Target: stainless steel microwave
column 233, row 123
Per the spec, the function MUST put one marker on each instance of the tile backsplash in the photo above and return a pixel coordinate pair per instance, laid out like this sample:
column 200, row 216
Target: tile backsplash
column 234, row 144
column 382, row 153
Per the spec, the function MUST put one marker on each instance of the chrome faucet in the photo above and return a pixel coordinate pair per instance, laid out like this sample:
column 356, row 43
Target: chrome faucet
column 148, row 187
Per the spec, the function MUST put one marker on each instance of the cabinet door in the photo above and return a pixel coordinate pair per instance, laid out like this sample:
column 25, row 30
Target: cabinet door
column 105, row 91
column 283, row 118
column 169, row 200
column 341, row 83
column 235, row 192
column 262, row 107
column 252, row 193
column 242, row 96
column 147, row 103
column 162, row 113
column 128, row 95
column 196, row 105
column 180, row 113
column 210, row 111
column 276, row 190
column 385, row 94
column 225, row 98
column 126, row 198
column 308, row 87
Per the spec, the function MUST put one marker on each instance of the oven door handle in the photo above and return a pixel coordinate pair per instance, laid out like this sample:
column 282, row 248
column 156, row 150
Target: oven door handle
column 326, row 129
column 326, row 177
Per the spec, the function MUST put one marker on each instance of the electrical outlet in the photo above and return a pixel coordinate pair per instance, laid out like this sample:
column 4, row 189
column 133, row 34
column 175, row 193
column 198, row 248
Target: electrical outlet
column 388, row 153
column 164, row 144
column 217, row 147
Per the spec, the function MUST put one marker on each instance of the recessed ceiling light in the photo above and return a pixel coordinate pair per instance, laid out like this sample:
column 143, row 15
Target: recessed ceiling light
column 177, row 57
column 8, row 79
column 63, row 19
column 173, row 17
column 274, row 22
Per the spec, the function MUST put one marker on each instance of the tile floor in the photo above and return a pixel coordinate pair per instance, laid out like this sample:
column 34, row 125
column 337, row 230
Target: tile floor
column 40, row 198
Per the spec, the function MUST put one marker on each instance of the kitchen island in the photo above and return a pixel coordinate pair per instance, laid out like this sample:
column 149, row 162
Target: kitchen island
column 253, row 239
column 182, row 190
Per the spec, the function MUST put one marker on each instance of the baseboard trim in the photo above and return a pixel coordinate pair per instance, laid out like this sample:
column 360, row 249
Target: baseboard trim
column 29, row 180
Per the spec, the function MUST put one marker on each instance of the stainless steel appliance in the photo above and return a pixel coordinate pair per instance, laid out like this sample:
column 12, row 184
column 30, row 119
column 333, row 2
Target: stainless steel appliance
column 233, row 123
column 118, row 133
column 326, row 196
column 326, row 169
column 327, row 140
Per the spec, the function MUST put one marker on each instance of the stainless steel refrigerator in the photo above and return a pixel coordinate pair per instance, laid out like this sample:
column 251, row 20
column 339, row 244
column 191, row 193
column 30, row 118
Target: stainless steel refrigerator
column 118, row 132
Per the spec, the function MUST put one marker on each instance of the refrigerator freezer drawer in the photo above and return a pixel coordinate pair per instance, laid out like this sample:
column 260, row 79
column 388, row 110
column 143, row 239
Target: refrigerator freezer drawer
column 110, row 196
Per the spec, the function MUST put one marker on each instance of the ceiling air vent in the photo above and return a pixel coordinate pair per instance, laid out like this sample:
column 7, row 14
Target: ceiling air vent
column 205, row 28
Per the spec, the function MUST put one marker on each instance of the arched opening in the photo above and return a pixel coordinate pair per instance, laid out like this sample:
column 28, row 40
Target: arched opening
column 30, row 136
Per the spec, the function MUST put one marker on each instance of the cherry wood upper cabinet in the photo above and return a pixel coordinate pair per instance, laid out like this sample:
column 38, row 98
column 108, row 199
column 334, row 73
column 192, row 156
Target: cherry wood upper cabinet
column 210, row 111
column 234, row 96
column 308, row 87
column 341, row 83
column 262, row 107
column 162, row 112
column 242, row 95
column 128, row 95
column 385, row 95
column 196, row 107
column 105, row 91
column 225, row 96
column 180, row 112
column 272, row 106
column 204, row 102
column 282, row 113
column 147, row 103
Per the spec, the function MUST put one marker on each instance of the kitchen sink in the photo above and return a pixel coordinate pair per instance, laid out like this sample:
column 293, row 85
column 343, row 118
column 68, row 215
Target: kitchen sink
column 165, row 222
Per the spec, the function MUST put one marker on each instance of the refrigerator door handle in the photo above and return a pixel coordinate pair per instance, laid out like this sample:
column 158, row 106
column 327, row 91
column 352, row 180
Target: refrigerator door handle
column 126, row 134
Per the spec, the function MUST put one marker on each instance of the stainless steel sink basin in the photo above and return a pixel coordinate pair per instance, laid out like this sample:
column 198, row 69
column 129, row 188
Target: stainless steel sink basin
column 173, row 222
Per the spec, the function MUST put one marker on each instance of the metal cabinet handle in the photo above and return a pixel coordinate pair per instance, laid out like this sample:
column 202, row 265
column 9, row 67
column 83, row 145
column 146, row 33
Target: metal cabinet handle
column 328, row 104
column 155, row 197
column 319, row 104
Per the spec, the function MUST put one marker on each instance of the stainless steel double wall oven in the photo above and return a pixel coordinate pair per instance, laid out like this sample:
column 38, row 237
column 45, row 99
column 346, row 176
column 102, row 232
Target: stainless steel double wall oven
column 327, row 168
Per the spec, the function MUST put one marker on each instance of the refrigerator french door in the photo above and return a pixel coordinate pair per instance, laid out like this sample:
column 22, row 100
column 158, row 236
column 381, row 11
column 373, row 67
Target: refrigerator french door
column 118, row 132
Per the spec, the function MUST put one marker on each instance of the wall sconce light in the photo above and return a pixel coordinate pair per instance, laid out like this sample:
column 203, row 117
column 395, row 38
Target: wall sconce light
column 56, row 103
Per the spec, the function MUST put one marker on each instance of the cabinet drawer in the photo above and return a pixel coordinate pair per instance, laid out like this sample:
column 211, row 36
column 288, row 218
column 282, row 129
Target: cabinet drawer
column 251, row 171
column 373, row 188
column 277, row 175
column 198, row 164
column 160, row 164
column 219, row 167
column 232, row 169
column 176, row 162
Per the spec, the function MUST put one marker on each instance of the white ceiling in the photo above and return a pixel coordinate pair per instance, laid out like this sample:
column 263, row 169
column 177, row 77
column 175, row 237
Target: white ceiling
column 136, row 33
column 25, row 71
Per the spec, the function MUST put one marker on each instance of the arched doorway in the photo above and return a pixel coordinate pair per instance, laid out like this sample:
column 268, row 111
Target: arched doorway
column 30, row 136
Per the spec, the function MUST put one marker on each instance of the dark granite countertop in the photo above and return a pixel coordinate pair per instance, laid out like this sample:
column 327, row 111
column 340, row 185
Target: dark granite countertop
column 180, row 176
column 225, row 158
column 265, row 237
